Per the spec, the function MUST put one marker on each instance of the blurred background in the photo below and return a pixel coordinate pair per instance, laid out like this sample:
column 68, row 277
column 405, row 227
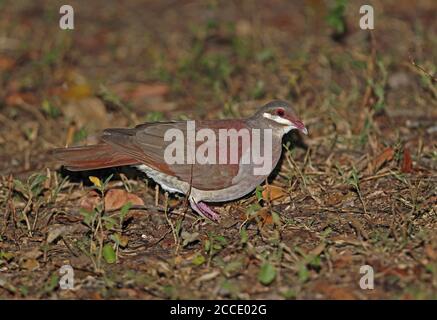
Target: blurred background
column 360, row 190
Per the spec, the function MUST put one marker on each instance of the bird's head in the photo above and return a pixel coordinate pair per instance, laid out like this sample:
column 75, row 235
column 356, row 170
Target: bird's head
column 279, row 114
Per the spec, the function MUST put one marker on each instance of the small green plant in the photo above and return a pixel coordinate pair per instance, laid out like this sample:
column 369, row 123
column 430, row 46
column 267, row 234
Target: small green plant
column 379, row 87
column 267, row 273
column 50, row 109
column 154, row 116
column 80, row 135
column 99, row 224
column 354, row 181
column 336, row 18
column 31, row 191
column 214, row 244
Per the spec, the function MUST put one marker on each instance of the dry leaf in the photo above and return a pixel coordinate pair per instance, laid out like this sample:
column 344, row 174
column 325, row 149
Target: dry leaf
column 334, row 292
column 334, row 198
column 318, row 250
column 20, row 98
column 342, row 261
column 272, row 193
column 90, row 201
column 30, row 264
column 266, row 217
column 6, row 63
column 55, row 231
column 407, row 163
column 208, row 276
column 116, row 198
column 381, row 159
column 124, row 240
column 32, row 254
column 430, row 252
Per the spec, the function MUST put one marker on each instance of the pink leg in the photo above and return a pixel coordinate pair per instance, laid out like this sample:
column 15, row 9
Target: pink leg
column 204, row 210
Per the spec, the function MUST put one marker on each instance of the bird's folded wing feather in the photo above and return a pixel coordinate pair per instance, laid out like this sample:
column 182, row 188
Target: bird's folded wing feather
column 146, row 144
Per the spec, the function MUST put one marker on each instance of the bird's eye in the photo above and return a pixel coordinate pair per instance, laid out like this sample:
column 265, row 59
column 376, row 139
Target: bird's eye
column 280, row 112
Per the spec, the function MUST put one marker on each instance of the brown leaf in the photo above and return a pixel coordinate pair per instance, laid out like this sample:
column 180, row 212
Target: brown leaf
column 339, row 293
column 318, row 250
column 343, row 261
column 334, row 198
column 6, row 63
column 271, row 193
column 265, row 215
column 124, row 240
column 430, row 252
column 20, row 98
column 334, row 292
column 90, row 201
column 116, row 198
column 407, row 163
column 35, row 253
column 30, row 264
column 395, row 271
column 382, row 158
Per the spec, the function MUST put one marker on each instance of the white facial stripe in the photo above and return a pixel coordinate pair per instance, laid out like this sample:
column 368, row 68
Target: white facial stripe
column 279, row 120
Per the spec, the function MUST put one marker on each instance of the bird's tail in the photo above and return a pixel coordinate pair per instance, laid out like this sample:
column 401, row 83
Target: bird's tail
column 91, row 157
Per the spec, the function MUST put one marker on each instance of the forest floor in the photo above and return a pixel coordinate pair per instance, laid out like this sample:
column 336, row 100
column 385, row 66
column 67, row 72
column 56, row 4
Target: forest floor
column 359, row 190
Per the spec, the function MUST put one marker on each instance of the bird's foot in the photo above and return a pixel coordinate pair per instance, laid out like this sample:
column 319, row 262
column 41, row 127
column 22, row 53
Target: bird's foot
column 204, row 210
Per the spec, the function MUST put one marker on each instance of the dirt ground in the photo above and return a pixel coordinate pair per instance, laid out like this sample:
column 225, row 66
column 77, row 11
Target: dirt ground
column 359, row 190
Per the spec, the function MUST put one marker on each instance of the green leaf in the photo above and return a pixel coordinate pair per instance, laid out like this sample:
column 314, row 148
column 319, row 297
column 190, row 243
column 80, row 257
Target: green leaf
column 49, row 109
column 87, row 217
column 198, row 260
column 221, row 239
column 267, row 273
column 35, row 181
column 259, row 193
column 109, row 253
column 107, row 180
column 265, row 55
column 8, row 256
column 20, row 187
column 303, row 273
column 80, row 135
column 52, row 283
column 116, row 238
column 154, row 116
column 109, row 222
column 289, row 294
column 124, row 210
column 276, row 219
column 253, row 208
column 336, row 18
column 244, row 236
column 232, row 267
column 207, row 245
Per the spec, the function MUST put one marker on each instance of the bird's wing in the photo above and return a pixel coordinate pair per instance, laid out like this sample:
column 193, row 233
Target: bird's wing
column 146, row 143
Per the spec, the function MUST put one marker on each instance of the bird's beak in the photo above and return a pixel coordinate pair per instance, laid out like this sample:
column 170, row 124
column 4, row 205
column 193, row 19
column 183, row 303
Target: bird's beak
column 299, row 126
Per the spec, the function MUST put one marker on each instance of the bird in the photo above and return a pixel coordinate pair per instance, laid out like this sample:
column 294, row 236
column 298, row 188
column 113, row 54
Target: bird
column 147, row 145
